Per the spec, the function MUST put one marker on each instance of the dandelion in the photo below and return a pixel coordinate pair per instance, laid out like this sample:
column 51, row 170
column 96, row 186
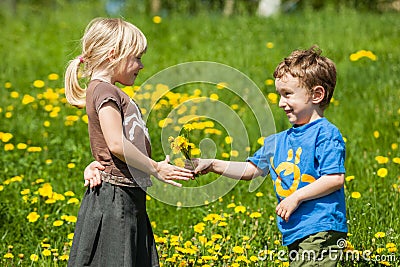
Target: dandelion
column 199, row 228
column 38, row 84
column 8, row 255
column 46, row 252
column 380, row 235
column 376, row 134
column 255, row 215
column 71, row 165
column 228, row 139
column 396, row 160
column 34, row 149
column 349, row 178
column 58, row 223
column 382, row 172
column 273, row 98
column 355, row 195
column 8, row 147
column 21, row 146
column 71, row 219
column 269, row 82
column 27, row 99
column 8, row 85
column 33, row 216
column 241, row 209
column 269, row 45
column 382, row 159
column 238, row 250
column 64, row 257
column 73, row 201
column 25, row 192
column 157, row 19
column 259, row 194
column 53, row 77
column 14, row 94
column 260, row 140
column 34, row 257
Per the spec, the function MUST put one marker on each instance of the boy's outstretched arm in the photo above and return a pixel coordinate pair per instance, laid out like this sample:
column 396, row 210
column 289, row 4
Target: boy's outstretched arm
column 321, row 187
column 232, row 169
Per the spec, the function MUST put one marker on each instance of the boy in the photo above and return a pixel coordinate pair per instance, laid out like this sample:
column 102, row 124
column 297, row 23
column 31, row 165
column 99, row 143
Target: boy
column 306, row 162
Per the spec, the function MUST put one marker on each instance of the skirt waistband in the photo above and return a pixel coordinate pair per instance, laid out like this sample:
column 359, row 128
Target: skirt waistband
column 117, row 180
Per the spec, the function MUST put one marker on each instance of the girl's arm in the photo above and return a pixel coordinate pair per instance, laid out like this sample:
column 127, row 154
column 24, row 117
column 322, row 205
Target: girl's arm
column 321, row 187
column 111, row 125
column 232, row 169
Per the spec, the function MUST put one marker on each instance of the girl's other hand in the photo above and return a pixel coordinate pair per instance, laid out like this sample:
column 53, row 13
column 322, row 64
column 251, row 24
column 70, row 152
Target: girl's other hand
column 91, row 175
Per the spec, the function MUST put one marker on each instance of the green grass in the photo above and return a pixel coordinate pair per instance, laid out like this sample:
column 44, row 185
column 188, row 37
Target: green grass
column 37, row 42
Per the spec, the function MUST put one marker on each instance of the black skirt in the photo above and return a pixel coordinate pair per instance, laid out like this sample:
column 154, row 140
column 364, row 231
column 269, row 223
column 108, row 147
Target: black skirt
column 113, row 229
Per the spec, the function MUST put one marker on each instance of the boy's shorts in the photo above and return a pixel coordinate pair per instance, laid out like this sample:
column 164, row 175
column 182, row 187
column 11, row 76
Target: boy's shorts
column 320, row 249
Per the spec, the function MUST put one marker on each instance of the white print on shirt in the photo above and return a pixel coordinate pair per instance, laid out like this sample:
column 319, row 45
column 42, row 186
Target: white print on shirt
column 137, row 121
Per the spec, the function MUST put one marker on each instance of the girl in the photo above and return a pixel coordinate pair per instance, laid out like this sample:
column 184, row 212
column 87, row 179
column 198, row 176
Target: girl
column 113, row 228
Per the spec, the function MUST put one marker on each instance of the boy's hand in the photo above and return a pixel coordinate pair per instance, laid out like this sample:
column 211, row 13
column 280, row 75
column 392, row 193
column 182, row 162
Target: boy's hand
column 202, row 166
column 287, row 206
column 92, row 174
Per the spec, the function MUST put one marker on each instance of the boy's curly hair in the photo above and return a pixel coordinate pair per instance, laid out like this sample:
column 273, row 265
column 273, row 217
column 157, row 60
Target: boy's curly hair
column 312, row 69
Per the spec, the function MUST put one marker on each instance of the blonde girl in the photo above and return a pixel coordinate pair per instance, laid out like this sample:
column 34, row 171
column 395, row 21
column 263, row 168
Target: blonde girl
column 113, row 228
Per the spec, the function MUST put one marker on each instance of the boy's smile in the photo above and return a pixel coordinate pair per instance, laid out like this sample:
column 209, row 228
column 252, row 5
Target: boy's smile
column 296, row 101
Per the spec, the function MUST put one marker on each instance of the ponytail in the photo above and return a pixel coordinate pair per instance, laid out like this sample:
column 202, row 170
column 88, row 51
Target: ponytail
column 74, row 93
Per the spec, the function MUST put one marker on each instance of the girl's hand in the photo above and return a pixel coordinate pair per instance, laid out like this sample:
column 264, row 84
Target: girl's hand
column 167, row 173
column 91, row 175
column 287, row 206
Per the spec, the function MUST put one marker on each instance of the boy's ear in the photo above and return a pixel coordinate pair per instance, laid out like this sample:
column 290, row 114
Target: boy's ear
column 318, row 94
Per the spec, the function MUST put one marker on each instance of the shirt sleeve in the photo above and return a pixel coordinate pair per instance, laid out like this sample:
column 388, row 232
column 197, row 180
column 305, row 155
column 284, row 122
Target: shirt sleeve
column 261, row 158
column 331, row 153
column 104, row 93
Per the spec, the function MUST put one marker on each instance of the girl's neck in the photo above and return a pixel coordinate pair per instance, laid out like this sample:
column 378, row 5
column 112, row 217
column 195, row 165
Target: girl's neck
column 102, row 76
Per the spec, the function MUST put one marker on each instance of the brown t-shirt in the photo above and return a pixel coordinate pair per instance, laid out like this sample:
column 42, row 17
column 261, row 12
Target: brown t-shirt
column 134, row 129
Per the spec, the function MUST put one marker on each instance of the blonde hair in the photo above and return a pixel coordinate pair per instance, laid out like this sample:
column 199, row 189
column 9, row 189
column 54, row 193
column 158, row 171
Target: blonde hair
column 102, row 36
column 312, row 69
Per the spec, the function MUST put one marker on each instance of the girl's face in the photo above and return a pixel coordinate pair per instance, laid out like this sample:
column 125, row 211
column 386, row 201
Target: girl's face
column 295, row 100
column 129, row 69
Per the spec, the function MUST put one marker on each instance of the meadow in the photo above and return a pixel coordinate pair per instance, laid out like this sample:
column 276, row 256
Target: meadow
column 44, row 143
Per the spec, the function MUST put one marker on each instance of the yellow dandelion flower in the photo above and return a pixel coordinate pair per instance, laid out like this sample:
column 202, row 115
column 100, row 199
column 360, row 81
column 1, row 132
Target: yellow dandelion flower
column 46, row 252
column 225, row 155
column 259, row 194
column 260, row 140
column 71, row 219
column 50, row 201
column 231, row 205
column 228, row 139
column 240, row 208
column 382, row 172
column 222, row 224
column 25, row 192
column 85, row 119
column 53, row 76
column 64, row 257
column 157, row 19
column 396, row 160
column 46, row 190
column 380, row 235
column 69, row 194
column 234, row 153
column 33, row 216
column 269, row 45
column 269, row 82
column 376, row 134
column 214, row 97
column 382, row 159
column 199, row 228
column 394, row 146
column 5, row 137
column 71, row 165
column 8, row 255
column 73, row 201
column 38, row 84
column 349, row 178
column 34, row 257
column 34, row 149
column 27, row 99
column 21, row 146
column 14, row 94
column 8, row 85
column 355, row 195
column 238, row 250
column 58, row 223
column 255, row 215
column 1, row 187
column 273, row 98
column 253, row 258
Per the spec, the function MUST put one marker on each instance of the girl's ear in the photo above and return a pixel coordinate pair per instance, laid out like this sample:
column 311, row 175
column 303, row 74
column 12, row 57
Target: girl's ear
column 318, row 94
column 111, row 54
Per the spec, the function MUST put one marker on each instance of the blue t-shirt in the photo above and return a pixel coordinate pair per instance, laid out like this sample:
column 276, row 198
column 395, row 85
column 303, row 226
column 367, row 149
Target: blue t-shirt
column 295, row 158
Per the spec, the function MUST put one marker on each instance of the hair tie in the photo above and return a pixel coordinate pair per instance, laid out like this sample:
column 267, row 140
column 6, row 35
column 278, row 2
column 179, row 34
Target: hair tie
column 81, row 60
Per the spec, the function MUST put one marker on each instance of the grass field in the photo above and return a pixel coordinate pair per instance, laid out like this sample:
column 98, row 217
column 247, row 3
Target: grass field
column 44, row 144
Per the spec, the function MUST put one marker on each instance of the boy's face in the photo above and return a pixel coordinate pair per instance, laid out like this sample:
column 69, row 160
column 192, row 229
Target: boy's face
column 296, row 100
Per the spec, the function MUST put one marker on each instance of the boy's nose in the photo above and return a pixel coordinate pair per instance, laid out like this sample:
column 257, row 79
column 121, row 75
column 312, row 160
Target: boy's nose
column 282, row 102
